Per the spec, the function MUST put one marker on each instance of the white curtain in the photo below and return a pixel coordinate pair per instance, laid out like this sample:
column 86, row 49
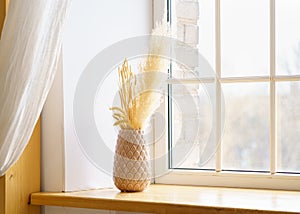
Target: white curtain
column 29, row 50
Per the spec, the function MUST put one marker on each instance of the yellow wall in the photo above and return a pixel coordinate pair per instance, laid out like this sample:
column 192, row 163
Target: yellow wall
column 22, row 180
column 2, row 13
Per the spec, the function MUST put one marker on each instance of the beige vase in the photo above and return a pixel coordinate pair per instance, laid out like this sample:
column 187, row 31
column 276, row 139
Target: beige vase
column 132, row 171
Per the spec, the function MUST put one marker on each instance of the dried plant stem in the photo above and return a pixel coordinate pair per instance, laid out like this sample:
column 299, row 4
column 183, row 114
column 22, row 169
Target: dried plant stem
column 140, row 100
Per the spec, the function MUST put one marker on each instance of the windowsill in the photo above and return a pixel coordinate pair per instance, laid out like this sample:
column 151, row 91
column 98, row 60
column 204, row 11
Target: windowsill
column 177, row 199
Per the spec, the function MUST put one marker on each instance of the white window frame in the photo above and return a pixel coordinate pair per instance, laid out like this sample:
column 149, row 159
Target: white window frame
column 271, row 180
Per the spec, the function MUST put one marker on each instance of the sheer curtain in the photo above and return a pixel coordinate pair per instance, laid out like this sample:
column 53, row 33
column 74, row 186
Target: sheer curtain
column 29, row 50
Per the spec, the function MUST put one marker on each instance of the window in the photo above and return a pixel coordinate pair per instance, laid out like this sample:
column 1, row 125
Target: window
column 247, row 134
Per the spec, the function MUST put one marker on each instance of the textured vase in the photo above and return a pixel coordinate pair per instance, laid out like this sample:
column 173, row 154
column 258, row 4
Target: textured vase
column 132, row 171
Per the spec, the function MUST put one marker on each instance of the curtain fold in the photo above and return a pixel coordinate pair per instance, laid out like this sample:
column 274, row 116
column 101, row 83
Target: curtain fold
column 30, row 47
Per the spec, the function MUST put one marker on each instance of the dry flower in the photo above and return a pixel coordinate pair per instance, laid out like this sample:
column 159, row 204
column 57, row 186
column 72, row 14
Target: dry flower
column 139, row 93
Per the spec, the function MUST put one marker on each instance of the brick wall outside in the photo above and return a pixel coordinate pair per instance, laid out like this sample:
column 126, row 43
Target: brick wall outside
column 186, row 97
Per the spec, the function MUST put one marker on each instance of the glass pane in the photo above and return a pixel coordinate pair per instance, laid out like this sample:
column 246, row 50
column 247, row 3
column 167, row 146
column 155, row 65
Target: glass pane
column 245, row 37
column 192, row 127
column 288, row 126
column 245, row 139
column 207, row 31
column 288, row 37
column 200, row 36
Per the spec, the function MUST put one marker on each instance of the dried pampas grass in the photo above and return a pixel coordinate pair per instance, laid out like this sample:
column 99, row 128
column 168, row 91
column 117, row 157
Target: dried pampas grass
column 139, row 93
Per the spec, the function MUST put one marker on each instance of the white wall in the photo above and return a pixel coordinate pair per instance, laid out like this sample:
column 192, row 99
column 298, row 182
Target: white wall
column 92, row 25
column 52, row 137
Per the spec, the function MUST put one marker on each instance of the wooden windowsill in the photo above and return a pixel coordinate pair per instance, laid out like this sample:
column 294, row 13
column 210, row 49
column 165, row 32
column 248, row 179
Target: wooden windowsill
column 177, row 199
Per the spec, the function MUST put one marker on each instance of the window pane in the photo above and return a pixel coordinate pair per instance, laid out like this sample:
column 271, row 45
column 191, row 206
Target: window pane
column 245, row 37
column 288, row 37
column 198, row 31
column 207, row 30
column 192, row 126
column 245, row 143
column 288, row 126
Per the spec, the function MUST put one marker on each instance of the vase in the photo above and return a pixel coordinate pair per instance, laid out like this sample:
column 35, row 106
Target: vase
column 131, row 172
